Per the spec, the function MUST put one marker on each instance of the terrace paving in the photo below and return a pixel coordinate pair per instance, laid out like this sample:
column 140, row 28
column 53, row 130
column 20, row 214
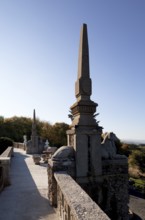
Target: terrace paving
column 26, row 197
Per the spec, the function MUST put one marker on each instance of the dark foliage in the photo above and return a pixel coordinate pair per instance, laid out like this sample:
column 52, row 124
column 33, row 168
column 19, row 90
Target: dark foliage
column 16, row 127
column 4, row 143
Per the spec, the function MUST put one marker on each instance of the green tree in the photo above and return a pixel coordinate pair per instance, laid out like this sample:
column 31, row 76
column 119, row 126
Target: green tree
column 56, row 134
column 124, row 149
column 1, row 119
column 4, row 143
column 16, row 127
column 46, row 130
column 137, row 159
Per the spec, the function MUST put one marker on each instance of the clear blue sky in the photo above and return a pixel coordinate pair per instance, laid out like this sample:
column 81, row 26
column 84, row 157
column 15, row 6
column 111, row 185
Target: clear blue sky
column 39, row 42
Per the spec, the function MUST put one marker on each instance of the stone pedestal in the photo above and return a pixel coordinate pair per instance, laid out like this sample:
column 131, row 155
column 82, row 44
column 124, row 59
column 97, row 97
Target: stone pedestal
column 86, row 143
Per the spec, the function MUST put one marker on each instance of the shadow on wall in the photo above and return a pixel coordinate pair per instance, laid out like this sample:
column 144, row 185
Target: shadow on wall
column 22, row 200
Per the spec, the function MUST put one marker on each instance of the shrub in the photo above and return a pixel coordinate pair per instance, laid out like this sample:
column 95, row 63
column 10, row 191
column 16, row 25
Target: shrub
column 4, row 143
column 138, row 184
column 137, row 158
column 122, row 148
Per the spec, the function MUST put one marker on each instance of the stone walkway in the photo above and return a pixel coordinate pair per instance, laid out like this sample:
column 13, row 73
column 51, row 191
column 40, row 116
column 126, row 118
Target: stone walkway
column 26, row 197
column 137, row 205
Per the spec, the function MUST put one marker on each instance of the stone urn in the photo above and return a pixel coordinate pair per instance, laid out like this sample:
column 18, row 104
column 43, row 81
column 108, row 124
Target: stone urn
column 36, row 159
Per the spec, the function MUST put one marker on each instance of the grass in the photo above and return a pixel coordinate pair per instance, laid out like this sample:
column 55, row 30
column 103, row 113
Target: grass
column 138, row 184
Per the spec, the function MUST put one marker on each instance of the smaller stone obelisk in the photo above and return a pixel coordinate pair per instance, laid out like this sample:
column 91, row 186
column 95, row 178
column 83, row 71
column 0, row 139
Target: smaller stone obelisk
column 34, row 136
column 33, row 144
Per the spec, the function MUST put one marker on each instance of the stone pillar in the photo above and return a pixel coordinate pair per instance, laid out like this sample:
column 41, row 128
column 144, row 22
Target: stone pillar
column 86, row 144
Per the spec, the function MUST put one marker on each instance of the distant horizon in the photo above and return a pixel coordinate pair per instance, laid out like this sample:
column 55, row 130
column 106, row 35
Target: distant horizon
column 133, row 141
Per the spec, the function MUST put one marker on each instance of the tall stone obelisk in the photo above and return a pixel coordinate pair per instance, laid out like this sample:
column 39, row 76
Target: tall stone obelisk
column 83, row 110
column 85, row 133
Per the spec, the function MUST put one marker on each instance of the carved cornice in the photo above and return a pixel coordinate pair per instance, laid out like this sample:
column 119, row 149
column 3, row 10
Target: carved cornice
column 84, row 107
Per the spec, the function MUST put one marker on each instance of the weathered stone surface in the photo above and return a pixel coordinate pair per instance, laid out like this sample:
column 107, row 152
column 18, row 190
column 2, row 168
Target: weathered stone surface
column 5, row 168
column 71, row 195
column 62, row 160
column 63, row 153
column 83, row 110
column 5, row 159
column 115, row 188
column 119, row 166
column 83, row 88
column 108, row 147
column 52, row 186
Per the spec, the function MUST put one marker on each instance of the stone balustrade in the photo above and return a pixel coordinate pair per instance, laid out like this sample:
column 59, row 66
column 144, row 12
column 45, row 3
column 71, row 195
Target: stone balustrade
column 7, row 153
column 20, row 145
column 5, row 158
column 73, row 203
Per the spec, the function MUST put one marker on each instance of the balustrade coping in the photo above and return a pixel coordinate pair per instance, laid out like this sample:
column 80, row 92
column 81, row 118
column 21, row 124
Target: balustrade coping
column 81, row 205
column 4, row 160
column 7, row 152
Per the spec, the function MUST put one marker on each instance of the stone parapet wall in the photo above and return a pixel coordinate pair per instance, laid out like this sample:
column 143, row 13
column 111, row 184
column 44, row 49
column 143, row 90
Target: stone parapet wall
column 115, row 188
column 7, row 153
column 73, row 203
column 116, row 166
column 20, row 145
column 5, row 158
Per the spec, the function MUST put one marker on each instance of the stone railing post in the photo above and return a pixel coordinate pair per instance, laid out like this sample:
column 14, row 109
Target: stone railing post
column 62, row 160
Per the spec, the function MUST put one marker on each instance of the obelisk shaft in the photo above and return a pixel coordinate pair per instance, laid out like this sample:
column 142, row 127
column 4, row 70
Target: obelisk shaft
column 34, row 131
column 83, row 64
column 83, row 86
